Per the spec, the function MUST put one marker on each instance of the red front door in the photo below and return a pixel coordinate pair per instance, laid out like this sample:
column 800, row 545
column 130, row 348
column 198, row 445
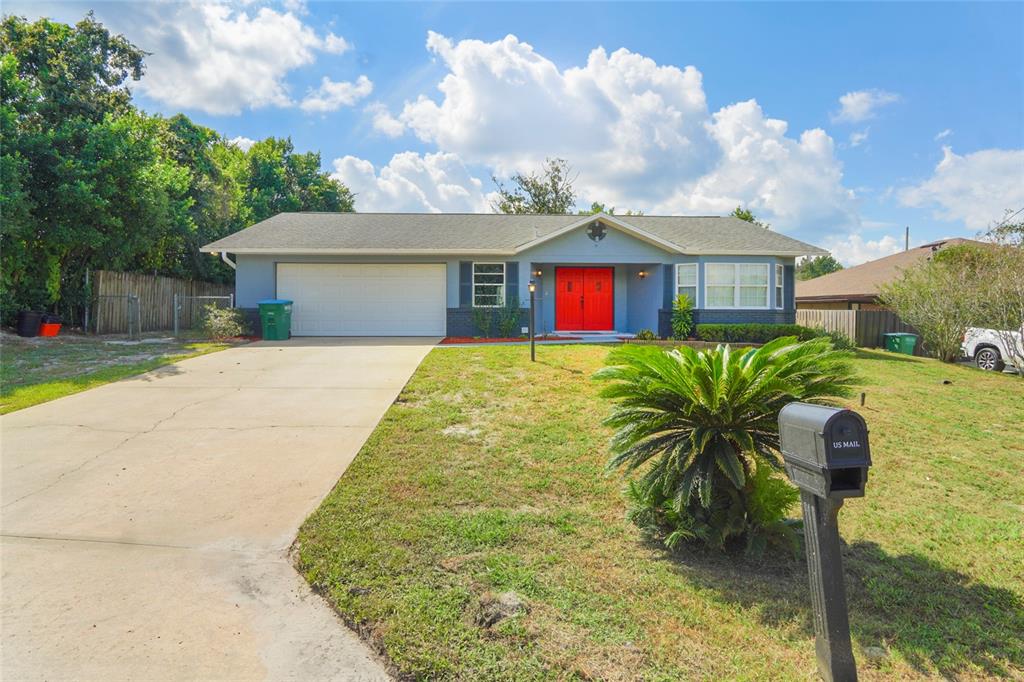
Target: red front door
column 584, row 299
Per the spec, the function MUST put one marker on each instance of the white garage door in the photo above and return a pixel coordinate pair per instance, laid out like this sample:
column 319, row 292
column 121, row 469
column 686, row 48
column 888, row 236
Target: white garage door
column 334, row 299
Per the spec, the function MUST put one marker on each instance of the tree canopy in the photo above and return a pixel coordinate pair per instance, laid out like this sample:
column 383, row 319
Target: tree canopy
column 1010, row 230
column 89, row 181
column 817, row 266
column 748, row 215
column 549, row 191
column 597, row 207
column 961, row 286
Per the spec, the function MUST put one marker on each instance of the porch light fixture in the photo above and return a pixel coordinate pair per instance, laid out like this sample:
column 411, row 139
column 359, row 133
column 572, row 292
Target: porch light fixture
column 642, row 274
column 537, row 273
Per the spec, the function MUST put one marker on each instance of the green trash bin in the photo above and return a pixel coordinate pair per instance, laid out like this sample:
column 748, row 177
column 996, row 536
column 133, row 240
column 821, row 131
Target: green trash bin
column 276, row 319
column 901, row 343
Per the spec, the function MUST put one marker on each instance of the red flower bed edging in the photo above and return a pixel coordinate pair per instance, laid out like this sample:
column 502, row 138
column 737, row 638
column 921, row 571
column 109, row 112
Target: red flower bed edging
column 508, row 339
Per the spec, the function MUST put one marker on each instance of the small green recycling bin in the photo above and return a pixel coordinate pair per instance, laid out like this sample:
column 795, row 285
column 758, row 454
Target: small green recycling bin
column 901, row 343
column 276, row 319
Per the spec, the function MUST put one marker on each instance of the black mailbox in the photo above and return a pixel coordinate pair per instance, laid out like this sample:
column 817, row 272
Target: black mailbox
column 825, row 449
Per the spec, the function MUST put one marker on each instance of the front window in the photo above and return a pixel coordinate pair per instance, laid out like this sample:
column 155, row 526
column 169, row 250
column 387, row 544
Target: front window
column 779, row 298
column 736, row 285
column 488, row 285
column 686, row 281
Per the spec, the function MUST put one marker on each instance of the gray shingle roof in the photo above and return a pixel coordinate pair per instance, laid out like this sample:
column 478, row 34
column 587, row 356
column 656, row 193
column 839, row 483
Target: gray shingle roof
column 490, row 233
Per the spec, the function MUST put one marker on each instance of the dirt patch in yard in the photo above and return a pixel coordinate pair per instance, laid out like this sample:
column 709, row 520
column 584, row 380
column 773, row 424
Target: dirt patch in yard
column 37, row 369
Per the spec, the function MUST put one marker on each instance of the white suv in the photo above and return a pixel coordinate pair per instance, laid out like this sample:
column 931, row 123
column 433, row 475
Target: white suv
column 988, row 347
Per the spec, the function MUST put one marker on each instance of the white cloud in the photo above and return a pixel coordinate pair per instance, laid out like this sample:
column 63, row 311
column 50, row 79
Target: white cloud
column 336, row 44
column 242, row 142
column 332, row 95
column 859, row 138
column 383, row 121
column 854, row 250
column 975, row 188
column 944, row 134
column 220, row 58
column 432, row 183
column 791, row 183
column 861, row 105
column 638, row 133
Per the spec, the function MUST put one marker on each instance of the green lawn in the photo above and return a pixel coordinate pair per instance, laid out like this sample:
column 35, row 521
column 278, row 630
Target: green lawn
column 488, row 475
column 34, row 371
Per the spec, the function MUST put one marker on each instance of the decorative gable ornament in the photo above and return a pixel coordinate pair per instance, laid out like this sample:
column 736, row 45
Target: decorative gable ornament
column 596, row 231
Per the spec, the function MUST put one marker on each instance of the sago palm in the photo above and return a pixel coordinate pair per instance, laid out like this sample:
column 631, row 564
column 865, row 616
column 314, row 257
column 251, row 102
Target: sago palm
column 700, row 424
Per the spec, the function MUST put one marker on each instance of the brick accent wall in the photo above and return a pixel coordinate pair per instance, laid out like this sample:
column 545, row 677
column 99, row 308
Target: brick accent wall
column 727, row 317
column 461, row 323
column 741, row 316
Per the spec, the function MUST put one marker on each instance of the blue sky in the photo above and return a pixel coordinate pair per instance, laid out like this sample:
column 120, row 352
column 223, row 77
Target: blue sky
column 865, row 117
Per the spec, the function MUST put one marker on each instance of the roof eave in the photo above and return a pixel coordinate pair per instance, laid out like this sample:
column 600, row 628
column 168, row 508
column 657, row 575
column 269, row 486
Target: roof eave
column 835, row 298
column 212, row 248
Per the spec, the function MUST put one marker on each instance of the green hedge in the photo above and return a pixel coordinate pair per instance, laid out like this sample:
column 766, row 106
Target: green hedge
column 752, row 332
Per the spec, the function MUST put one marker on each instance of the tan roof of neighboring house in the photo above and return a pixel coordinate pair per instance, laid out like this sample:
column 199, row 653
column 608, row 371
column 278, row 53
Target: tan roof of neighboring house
column 863, row 281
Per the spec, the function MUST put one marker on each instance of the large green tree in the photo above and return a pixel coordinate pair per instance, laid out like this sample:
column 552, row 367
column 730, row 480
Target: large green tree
column 818, row 266
column 87, row 181
column 279, row 179
column 549, row 191
column 77, row 166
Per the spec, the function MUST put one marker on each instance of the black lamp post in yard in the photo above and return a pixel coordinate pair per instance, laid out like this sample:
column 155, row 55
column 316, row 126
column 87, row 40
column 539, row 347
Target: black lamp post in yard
column 533, row 348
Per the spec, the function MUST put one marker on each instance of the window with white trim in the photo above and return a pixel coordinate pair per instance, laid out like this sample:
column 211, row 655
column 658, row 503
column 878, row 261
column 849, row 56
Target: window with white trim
column 488, row 285
column 780, row 300
column 736, row 285
column 686, row 281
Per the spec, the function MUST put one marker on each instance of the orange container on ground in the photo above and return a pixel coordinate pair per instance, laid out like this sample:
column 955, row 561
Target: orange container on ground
column 49, row 328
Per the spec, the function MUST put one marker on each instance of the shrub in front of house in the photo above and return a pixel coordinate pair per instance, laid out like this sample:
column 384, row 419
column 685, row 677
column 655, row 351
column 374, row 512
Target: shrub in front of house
column 682, row 316
column 698, row 430
column 646, row 335
column 483, row 320
column 223, row 323
column 508, row 319
column 751, row 332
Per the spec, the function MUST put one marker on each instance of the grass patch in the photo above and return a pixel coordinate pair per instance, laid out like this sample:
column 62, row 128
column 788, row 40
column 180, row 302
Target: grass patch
column 33, row 372
column 488, row 474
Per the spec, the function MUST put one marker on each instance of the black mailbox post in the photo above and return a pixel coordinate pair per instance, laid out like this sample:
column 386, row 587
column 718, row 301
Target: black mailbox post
column 827, row 457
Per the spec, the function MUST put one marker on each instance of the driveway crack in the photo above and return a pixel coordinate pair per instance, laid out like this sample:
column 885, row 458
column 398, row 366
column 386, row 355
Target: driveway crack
column 116, row 447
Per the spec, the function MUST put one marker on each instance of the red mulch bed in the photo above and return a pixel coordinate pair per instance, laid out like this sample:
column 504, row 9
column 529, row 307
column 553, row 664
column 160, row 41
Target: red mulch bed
column 507, row 339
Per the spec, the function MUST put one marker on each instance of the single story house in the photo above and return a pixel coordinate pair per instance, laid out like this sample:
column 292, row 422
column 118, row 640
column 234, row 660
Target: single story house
column 857, row 288
column 404, row 274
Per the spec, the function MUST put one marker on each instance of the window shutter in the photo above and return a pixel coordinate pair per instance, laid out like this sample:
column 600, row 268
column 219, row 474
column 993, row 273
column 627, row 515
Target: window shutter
column 670, row 286
column 788, row 287
column 512, row 283
column 465, row 284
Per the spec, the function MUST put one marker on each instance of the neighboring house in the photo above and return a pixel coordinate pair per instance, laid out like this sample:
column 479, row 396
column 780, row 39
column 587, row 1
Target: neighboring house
column 857, row 288
column 402, row 274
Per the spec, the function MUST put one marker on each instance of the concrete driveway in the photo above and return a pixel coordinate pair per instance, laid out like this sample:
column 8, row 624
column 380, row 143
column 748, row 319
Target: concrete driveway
column 146, row 524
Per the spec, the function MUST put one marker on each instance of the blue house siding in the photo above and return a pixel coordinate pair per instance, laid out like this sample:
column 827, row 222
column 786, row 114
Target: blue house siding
column 643, row 297
column 623, row 252
column 640, row 303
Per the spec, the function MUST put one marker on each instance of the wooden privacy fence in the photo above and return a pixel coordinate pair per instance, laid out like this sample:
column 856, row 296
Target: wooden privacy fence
column 865, row 327
column 129, row 302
